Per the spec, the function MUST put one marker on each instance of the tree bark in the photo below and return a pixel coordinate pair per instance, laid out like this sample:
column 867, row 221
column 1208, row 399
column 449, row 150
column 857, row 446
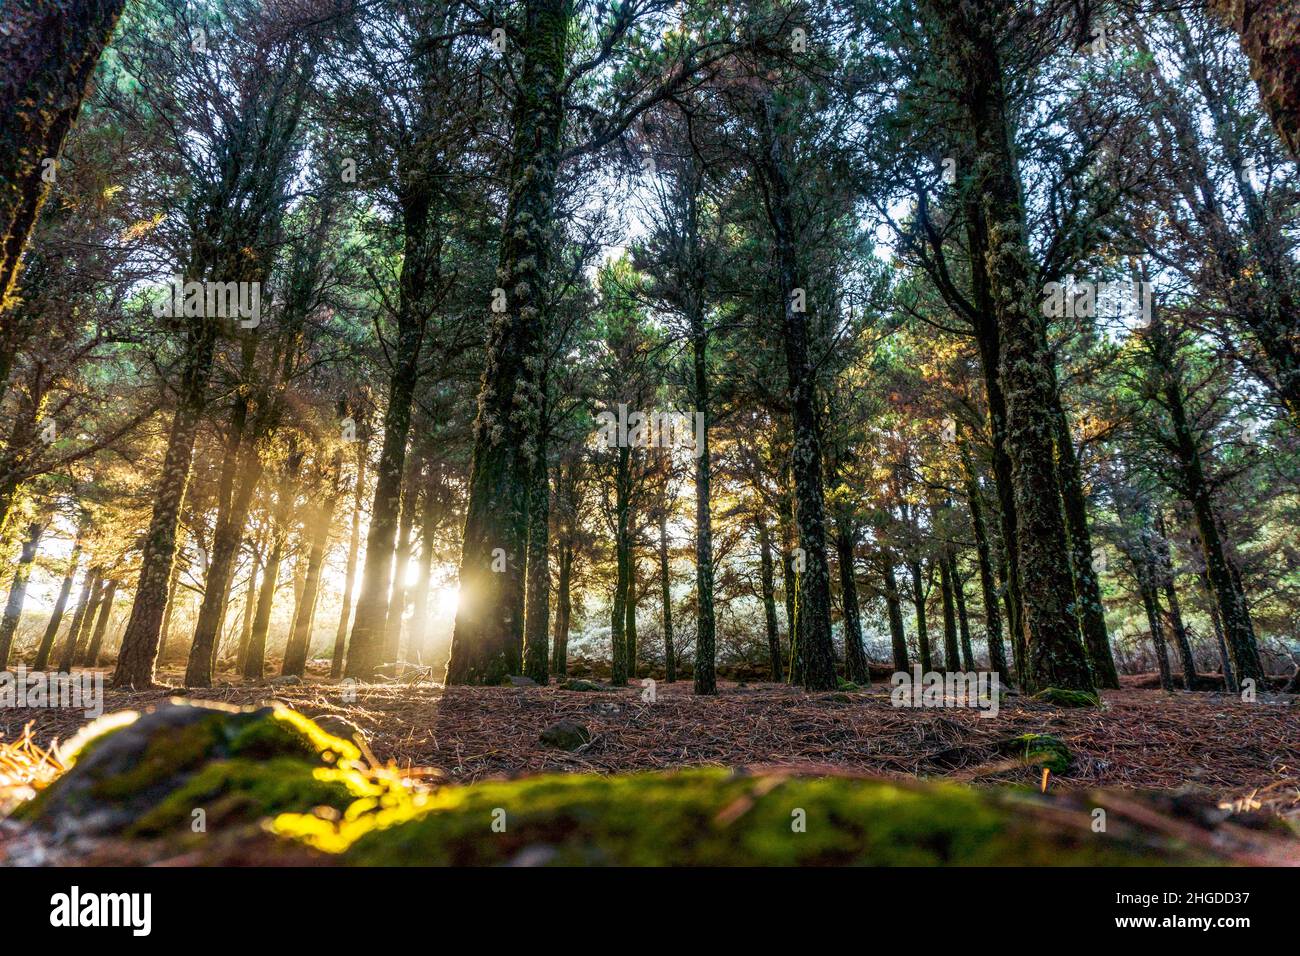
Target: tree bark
column 398, row 595
column 85, row 604
column 48, row 52
column 666, row 597
column 618, row 605
column 322, row 519
column 1270, row 38
column 922, row 632
column 18, row 590
column 983, row 553
column 815, row 649
column 254, row 663
column 1087, row 591
column 951, row 649
column 487, row 637
column 1055, row 655
column 768, row 583
column 101, row 628
column 60, row 605
column 963, row 621
column 350, row 575
column 537, row 618
column 855, row 656
column 563, row 610
column 894, row 611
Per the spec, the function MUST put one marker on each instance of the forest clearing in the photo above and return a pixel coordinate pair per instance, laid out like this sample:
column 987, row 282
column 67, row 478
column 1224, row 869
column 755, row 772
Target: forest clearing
column 639, row 433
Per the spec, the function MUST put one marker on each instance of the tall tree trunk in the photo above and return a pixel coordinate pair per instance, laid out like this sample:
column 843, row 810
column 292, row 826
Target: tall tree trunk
column 1087, row 591
column 48, row 52
column 537, row 618
column 1233, row 609
column 666, row 597
column 255, row 657
column 963, row 621
column 951, row 649
column 563, row 610
column 250, row 608
column 815, row 650
column 1151, row 603
column 629, row 606
column 922, row 632
column 322, row 519
column 969, row 43
column 855, row 656
column 767, row 580
column 101, row 628
column 1175, row 608
column 1225, row 659
column 487, row 637
column 18, row 590
column 350, row 575
column 623, row 571
column 398, row 595
column 894, row 611
column 85, row 604
column 983, row 553
column 60, row 605
column 88, row 623
column 167, row 651
column 421, row 635
column 705, row 674
column 135, row 661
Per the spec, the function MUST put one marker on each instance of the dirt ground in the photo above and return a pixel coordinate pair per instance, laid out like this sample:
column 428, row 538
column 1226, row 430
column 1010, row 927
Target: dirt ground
column 1215, row 744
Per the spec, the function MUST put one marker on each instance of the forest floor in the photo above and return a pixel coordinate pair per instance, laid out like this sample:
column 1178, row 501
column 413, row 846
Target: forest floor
column 1238, row 753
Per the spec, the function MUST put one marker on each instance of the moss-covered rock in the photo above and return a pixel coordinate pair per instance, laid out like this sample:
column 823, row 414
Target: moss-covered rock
column 1067, row 698
column 1040, row 750
column 129, row 770
column 580, row 685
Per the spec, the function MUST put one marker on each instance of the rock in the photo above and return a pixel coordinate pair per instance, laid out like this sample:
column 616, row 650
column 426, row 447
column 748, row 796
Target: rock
column 138, row 773
column 566, row 735
column 580, row 685
column 285, row 679
column 1067, row 698
column 517, row 680
column 1039, row 750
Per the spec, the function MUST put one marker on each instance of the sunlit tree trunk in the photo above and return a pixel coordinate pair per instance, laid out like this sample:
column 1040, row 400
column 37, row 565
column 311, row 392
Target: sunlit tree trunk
column 399, row 593
column 60, row 605
column 255, row 657
column 101, row 628
column 623, row 571
column 322, row 519
column 768, row 583
column 629, row 606
column 487, row 639
column 85, row 605
column 18, row 590
column 350, row 574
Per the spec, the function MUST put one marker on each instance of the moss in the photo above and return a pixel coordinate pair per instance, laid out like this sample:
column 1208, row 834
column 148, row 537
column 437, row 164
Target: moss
column 1068, row 698
column 1041, row 750
column 241, row 791
column 580, row 685
column 714, row 818
column 848, row 685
